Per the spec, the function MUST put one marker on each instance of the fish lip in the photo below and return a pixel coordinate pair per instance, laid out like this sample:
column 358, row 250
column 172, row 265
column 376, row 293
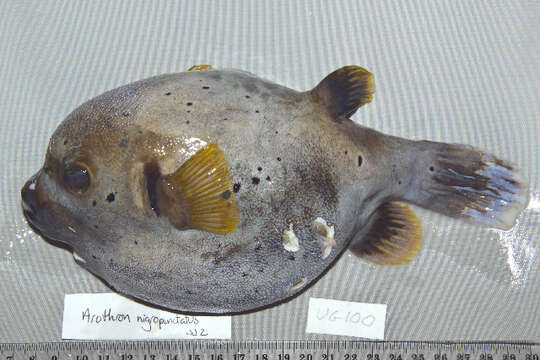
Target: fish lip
column 35, row 225
column 30, row 216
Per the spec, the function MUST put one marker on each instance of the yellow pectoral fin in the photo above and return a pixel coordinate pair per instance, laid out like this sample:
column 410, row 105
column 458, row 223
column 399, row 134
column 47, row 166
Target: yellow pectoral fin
column 206, row 185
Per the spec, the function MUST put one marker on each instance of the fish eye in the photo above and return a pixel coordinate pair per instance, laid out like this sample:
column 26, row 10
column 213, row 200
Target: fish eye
column 76, row 178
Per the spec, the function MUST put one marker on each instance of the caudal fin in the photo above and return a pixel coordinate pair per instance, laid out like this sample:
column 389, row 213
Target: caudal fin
column 461, row 181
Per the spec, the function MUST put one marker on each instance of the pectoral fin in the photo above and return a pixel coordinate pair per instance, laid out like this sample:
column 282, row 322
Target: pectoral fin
column 393, row 237
column 200, row 195
column 345, row 90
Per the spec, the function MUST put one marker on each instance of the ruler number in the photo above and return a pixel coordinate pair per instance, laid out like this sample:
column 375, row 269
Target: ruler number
column 531, row 357
column 441, row 356
column 417, row 357
column 82, row 357
column 146, row 357
column 105, row 357
column 398, row 357
column 261, row 357
column 284, row 357
column 123, row 357
column 373, row 357
column 216, row 357
column 486, row 357
column 509, row 357
column 239, row 356
column 194, row 357
column 306, row 357
column 461, row 356
column 328, row 357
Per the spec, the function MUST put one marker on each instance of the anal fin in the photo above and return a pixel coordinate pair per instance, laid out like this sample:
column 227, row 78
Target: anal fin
column 393, row 236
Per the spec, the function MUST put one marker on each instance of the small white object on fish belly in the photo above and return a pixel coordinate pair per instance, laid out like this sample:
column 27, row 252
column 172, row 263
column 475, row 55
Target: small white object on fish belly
column 290, row 241
column 325, row 236
column 215, row 191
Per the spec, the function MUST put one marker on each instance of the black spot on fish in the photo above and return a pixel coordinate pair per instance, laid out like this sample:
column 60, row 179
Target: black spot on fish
column 189, row 111
column 257, row 111
column 65, row 142
column 206, row 87
column 135, row 242
column 244, row 274
column 346, row 152
column 110, row 197
column 255, row 180
column 167, row 94
column 359, row 160
column 399, row 182
column 431, row 168
column 291, row 257
column 125, row 113
column 94, row 203
column 236, row 187
column 123, row 143
column 189, row 103
column 108, row 123
column 259, row 168
column 261, row 270
column 226, row 194
column 139, row 132
column 97, row 227
column 94, row 257
column 278, row 159
column 268, row 178
column 247, row 96
column 276, row 131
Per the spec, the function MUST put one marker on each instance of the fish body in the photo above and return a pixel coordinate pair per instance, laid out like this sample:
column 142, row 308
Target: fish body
column 217, row 191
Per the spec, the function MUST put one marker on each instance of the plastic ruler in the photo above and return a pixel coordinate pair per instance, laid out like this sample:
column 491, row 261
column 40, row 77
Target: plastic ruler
column 268, row 350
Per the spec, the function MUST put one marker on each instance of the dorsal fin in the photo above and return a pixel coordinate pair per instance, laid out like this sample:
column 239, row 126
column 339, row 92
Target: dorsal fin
column 345, row 90
column 393, row 237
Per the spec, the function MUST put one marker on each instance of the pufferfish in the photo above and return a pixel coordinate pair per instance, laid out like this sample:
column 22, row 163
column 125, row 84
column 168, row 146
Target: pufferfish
column 216, row 191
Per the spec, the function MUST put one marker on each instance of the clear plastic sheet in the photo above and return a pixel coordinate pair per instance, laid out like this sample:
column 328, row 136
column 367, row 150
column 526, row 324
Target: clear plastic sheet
column 463, row 72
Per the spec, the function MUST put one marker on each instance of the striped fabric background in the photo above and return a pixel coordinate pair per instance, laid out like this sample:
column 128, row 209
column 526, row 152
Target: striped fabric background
column 454, row 71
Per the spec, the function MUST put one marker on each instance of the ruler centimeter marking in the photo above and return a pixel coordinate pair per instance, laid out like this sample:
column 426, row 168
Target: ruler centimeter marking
column 268, row 350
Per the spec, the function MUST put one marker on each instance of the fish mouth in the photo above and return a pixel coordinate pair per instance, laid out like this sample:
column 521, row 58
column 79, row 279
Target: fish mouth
column 37, row 210
column 30, row 199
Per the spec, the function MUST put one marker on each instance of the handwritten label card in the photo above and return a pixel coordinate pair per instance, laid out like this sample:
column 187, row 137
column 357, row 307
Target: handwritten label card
column 336, row 317
column 111, row 316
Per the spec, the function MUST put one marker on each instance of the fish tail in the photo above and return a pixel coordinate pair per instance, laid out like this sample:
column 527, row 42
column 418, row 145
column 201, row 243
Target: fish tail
column 464, row 182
